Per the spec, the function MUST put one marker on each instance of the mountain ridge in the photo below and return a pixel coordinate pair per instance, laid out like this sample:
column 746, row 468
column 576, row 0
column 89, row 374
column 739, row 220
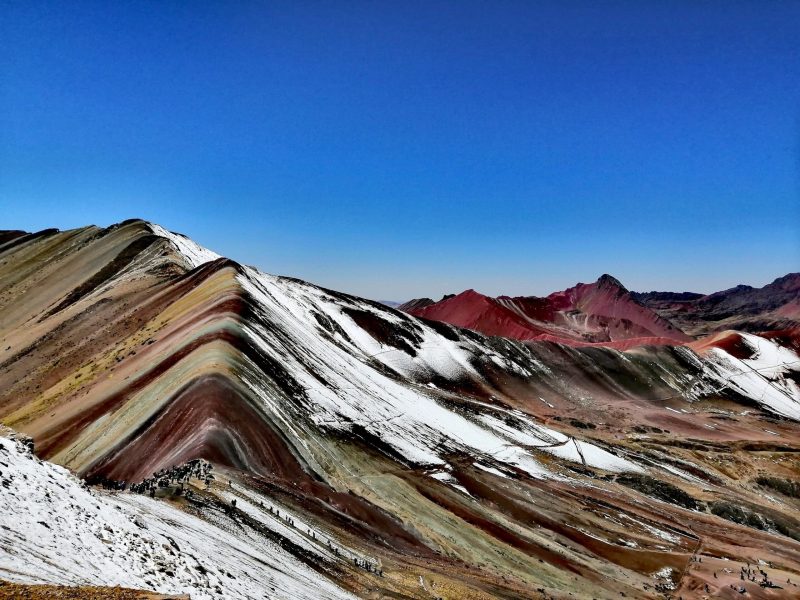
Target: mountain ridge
column 417, row 449
column 774, row 306
column 600, row 313
column 664, row 317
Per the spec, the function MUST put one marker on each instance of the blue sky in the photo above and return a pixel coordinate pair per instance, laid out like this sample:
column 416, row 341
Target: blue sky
column 402, row 149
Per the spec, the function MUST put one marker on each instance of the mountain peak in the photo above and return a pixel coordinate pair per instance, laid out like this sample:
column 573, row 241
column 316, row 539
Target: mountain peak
column 789, row 282
column 470, row 293
column 606, row 280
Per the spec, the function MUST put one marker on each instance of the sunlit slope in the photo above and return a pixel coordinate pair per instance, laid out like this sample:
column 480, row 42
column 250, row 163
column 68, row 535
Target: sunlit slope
column 602, row 313
column 463, row 465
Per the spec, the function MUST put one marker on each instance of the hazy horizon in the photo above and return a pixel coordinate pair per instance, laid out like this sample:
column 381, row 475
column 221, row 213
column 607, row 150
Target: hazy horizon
column 398, row 151
column 537, row 288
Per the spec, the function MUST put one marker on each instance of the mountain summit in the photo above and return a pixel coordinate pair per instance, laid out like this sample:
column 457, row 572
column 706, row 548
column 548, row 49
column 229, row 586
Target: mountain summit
column 603, row 313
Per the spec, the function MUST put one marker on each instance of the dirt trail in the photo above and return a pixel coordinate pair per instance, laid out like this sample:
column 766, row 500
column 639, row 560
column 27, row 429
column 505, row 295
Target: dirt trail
column 17, row 591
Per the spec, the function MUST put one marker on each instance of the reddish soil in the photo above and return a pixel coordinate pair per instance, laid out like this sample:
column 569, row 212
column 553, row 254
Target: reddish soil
column 601, row 313
column 19, row 591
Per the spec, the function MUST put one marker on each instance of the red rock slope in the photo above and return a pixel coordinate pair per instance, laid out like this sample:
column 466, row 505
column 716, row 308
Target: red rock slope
column 603, row 313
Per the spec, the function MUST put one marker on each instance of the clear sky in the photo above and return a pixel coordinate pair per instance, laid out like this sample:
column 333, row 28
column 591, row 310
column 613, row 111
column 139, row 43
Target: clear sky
column 400, row 149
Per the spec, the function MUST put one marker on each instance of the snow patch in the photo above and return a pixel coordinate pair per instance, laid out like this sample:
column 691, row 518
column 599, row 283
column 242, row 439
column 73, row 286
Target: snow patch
column 54, row 530
column 193, row 252
column 762, row 377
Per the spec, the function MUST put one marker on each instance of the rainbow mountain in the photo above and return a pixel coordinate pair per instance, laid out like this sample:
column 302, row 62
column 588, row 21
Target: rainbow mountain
column 348, row 449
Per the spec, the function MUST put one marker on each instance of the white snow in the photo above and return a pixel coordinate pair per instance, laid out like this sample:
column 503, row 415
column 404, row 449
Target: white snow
column 559, row 444
column 762, row 377
column 412, row 419
column 194, row 253
column 491, row 470
column 53, row 530
column 659, row 533
column 448, row 479
column 663, row 573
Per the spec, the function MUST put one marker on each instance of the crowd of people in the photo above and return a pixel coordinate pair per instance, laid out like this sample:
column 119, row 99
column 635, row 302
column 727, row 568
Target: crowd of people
column 174, row 476
column 180, row 475
column 756, row 574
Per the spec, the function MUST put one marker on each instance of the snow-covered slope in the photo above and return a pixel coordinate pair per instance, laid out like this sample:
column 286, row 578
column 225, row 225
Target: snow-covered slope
column 412, row 419
column 55, row 530
column 194, row 253
column 762, row 376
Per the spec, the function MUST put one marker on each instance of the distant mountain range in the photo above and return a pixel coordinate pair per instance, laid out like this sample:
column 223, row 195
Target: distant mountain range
column 606, row 313
column 772, row 307
column 390, row 303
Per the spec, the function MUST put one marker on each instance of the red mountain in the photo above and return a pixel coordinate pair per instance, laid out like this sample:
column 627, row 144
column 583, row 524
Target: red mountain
column 603, row 312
